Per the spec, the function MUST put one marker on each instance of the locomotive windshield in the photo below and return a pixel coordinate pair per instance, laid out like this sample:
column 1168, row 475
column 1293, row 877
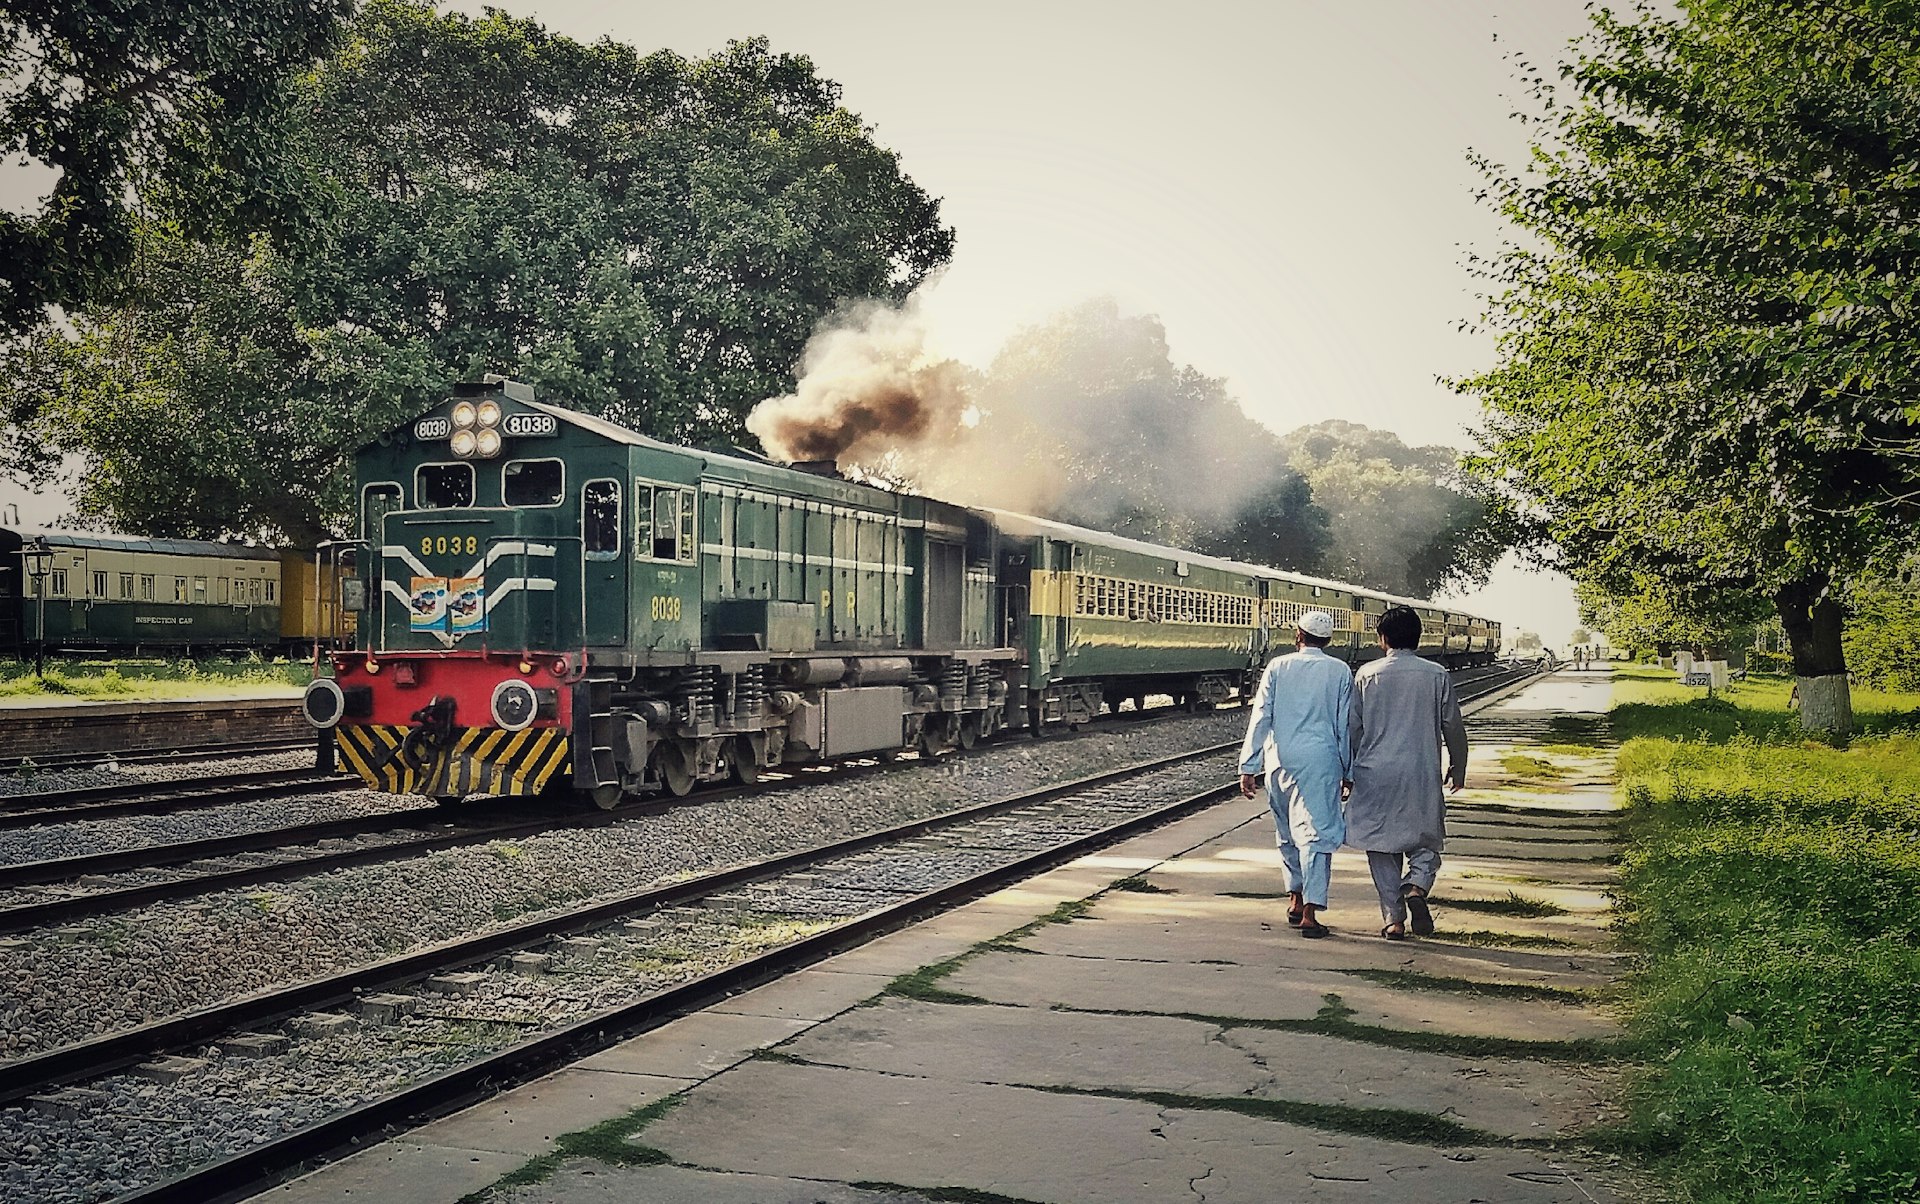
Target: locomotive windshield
column 532, row 482
column 443, row 486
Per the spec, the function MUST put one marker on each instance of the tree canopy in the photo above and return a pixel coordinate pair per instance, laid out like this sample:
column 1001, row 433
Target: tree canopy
column 138, row 104
column 648, row 237
column 1402, row 520
column 1708, row 360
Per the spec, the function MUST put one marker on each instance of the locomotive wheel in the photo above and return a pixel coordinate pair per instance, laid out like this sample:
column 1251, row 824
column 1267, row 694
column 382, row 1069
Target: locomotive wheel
column 969, row 731
column 745, row 765
column 675, row 771
column 934, row 740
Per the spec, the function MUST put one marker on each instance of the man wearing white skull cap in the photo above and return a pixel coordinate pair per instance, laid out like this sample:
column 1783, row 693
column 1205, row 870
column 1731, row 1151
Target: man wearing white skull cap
column 1297, row 739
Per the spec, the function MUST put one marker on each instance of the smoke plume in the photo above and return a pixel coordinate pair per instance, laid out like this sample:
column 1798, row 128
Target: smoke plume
column 868, row 388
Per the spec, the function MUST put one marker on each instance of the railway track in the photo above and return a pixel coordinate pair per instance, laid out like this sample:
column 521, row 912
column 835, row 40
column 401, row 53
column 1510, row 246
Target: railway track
column 165, row 797
column 1027, row 832
column 52, row 762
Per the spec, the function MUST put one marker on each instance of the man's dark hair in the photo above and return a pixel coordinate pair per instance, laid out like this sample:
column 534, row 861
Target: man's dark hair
column 1313, row 641
column 1400, row 627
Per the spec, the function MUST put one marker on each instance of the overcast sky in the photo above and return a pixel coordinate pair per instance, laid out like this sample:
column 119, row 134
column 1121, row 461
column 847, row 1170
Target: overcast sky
column 1284, row 183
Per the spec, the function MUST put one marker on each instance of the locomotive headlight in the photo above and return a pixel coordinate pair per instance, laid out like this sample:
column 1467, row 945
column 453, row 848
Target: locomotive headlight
column 463, row 443
column 487, row 442
column 514, row 705
column 489, row 413
column 464, row 414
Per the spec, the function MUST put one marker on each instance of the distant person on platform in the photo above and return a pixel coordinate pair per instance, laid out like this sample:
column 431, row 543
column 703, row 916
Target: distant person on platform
column 1403, row 712
column 1297, row 739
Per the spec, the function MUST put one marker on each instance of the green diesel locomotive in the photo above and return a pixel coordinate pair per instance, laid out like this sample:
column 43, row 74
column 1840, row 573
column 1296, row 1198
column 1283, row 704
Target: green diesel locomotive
column 548, row 600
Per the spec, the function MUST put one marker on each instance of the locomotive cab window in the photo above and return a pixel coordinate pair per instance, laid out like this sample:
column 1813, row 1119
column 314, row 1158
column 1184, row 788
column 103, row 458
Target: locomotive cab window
column 534, row 483
column 376, row 503
column 443, row 486
column 600, row 519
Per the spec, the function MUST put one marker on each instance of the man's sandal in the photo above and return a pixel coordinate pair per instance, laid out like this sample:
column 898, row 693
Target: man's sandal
column 1416, row 901
column 1296, row 910
column 1391, row 935
column 1313, row 931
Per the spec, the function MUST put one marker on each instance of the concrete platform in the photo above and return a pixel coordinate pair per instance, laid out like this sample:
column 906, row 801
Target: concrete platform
column 1173, row 1040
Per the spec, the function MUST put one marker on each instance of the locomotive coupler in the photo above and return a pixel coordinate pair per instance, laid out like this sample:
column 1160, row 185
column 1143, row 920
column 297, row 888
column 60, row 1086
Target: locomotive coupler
column 432, row 732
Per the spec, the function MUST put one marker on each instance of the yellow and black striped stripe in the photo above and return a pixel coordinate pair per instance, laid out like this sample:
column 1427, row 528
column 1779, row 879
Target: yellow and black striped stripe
column 480, row 760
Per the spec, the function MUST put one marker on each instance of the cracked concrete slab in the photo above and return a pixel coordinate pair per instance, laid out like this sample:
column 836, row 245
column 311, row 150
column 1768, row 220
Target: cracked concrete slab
column 582, row 1181
column 1255, row 992
column 1034, row 1047
column 849, row 1126
column 1239, row 933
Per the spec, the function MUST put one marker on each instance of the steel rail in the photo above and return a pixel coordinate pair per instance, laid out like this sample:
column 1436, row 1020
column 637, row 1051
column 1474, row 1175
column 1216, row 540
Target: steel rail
column 146, row 756
column 161, row 798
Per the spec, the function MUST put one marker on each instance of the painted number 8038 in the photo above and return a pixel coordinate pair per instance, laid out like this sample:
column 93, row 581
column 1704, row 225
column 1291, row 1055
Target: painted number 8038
column 665, row 609
column 441, row 545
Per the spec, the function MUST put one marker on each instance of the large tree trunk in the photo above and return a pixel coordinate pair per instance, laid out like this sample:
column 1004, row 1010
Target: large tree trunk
column 1814, row 620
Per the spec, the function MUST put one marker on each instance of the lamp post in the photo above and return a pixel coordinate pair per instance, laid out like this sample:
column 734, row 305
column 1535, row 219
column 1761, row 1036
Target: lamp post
column 37, row 559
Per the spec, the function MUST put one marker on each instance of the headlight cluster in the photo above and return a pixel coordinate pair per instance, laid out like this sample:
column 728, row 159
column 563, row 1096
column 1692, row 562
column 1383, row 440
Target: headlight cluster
column 476, row 430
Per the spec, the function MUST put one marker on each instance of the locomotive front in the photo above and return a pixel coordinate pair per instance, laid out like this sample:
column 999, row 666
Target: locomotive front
column 464, row 677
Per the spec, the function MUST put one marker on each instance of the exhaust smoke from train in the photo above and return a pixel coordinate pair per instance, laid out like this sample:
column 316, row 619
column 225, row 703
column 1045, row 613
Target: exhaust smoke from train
column 868, row 390
column 1083, row 418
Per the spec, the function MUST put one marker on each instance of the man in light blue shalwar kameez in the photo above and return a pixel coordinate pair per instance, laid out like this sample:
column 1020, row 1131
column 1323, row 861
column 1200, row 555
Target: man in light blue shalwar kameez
column 1297, row 738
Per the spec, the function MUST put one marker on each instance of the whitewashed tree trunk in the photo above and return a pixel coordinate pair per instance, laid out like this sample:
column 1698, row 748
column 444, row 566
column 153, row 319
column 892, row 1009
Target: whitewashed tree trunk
column 1826, row 703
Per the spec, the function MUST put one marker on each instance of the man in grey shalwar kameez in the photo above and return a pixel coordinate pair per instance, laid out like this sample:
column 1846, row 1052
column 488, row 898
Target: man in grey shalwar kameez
column 1297, row 739
column 1403, row 711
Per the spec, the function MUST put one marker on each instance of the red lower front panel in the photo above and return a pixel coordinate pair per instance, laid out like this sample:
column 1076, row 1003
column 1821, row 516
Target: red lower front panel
column 400, row 685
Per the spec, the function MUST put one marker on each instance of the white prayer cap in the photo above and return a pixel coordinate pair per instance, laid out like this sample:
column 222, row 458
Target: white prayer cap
column 1318, row 624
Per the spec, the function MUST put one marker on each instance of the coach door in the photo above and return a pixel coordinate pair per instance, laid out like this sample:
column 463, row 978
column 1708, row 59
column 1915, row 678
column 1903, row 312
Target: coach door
column 603, row 566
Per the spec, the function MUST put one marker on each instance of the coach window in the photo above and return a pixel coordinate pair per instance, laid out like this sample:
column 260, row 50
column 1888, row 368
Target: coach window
column 443, row 486
column 376, row 503
column 600, row 519
column 272, row 589
column 146, row 587
column 199, row 591
column 222, row 590
column 179, row 589
column 99, row 585
column 59, row 583
column 126, row 585
column 534, row 482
